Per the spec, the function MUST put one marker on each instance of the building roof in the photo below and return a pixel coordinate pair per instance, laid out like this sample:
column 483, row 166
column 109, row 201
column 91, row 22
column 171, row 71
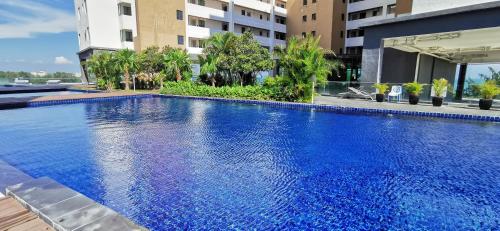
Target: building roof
column 458, row 10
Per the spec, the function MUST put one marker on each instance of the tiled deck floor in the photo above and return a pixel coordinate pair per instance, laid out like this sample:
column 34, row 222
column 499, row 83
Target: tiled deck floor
column 404, row 106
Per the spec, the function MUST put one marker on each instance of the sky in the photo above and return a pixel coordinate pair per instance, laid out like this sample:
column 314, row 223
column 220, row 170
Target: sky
column 38, row 35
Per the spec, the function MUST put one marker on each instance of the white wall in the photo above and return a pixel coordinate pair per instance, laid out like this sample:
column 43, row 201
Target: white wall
column 104, row 23
column 422, row 6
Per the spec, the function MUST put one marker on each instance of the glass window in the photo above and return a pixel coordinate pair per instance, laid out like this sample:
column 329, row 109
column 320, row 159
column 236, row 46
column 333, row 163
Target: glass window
column 313, row 16
column 180, row 39
column 180, row 15
column 304, row 18
column 126, row 36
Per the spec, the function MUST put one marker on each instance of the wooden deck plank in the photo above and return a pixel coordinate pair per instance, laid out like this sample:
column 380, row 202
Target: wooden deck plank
column 14, row 217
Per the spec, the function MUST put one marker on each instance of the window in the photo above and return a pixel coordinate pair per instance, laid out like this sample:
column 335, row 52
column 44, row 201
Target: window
column 225, row 27
column 180, row 39
column 249, row 14
column 303, row 34
column 341, row 34
column 313, row 33
column 126, row 36
column 341, row 51
column 280, row 20
column 243, row 29
column 201, row 2
column 180, row 15
column 124, row 9
column 224, row 7
column 201, row 23
column 260, row 33
column 243, row 12
column 313, row 1
column 342, row 17
column 304, row 2
column 260, row 16
column 304, row 18
column 391, row 9
column 279, row 36
column 313, row 16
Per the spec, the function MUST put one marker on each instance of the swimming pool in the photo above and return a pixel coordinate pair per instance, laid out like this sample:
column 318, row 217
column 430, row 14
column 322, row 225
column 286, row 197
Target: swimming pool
column 198, row 164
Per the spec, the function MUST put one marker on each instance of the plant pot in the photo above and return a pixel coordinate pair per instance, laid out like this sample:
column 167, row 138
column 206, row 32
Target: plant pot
column 485, row 104
column 437, row 101
column 413, row 99
column 379, row 97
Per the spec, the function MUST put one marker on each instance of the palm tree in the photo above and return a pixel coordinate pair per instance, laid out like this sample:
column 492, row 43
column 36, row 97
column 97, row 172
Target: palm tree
column 176, row 63
column 126, row 63
column 209, row 67
column 102, row 66
column 305, row 64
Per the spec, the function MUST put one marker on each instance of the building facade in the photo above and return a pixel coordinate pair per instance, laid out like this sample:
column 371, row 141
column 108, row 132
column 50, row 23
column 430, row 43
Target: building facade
column 324, row 18
column 188, row 23
column 104, row 26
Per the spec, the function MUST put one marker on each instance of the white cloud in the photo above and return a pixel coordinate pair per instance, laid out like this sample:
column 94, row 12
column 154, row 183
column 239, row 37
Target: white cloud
column 25, row 18
column 61, row 60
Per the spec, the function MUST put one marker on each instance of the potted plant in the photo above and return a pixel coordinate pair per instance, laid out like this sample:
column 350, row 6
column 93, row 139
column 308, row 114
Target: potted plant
column 488, row 91
column 381, row 90
column 414, row 89
column 440, row 86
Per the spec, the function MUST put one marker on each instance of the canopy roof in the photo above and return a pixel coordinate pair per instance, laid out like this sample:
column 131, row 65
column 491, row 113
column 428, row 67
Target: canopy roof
column 467, row 46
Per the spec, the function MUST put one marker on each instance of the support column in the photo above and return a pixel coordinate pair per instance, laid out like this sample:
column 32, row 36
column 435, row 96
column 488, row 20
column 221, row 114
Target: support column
column 417, row 68
column 231, row 15
column 380, row 61
column 461, row 81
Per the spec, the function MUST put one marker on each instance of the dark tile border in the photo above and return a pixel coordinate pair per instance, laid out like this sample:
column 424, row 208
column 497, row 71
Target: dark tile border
column 85, row 100
column 287, row 105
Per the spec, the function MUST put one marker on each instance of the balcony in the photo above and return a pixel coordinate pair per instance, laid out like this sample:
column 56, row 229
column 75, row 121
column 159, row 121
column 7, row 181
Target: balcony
column 255, row 5
column 201, row 32
column 355, row 24
column 280, row 11
column 364, row 5
column 207, row 12
column 194, row 50
column 280, row 27
column 252, row 22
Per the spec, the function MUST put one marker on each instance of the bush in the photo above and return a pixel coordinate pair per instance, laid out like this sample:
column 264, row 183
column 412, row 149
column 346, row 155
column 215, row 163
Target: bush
column 381, row 87
column 236, row 92
column 414, row 88
column 489, row 89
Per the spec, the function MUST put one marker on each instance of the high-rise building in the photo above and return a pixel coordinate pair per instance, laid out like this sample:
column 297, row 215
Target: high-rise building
column 188, row 23
column 324, row 18
column 104, row 25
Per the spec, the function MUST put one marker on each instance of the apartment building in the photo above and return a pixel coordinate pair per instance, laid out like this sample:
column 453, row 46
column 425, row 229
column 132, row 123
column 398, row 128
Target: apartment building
column 324, row 18
column 188, row 23
column 104, row 25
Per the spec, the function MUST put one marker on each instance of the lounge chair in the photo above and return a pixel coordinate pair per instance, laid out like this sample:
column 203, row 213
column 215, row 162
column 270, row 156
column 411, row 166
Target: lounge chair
column 356, row 93
column 396, row 91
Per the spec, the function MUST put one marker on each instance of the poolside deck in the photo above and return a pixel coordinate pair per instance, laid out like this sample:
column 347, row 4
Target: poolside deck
column 13, row 216
column 451, row 108
column 11, row 103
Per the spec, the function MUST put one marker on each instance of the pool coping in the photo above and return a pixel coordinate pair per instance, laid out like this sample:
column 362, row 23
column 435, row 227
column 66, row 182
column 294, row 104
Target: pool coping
column 280, row 104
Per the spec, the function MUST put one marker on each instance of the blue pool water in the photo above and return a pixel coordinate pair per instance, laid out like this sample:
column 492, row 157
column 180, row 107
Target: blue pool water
column 192, row 164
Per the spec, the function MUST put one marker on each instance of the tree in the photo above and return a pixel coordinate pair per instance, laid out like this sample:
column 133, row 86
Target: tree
column 103, row 67
column 239, row 57
column 209, row 67
column 150, row 64
column 176, row 63
column 495, row 75
column 304, row 64
column 126, row 62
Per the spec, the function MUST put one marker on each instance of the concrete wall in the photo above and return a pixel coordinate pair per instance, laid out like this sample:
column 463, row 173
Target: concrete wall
column 157, row 23
column 448, row 23
column 398, row 66
column 328, row 23
column 423, row 6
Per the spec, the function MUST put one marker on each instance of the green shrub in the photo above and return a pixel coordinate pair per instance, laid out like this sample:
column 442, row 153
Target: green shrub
column 489, row 89
column 236, row 92
column 414, row 88
column 439, row 86
column 381, row 87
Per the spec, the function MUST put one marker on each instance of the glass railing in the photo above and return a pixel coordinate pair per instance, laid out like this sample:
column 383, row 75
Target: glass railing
column 336, row 88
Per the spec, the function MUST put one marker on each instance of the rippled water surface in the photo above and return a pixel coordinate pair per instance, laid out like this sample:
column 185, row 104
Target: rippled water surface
column 169, row 163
